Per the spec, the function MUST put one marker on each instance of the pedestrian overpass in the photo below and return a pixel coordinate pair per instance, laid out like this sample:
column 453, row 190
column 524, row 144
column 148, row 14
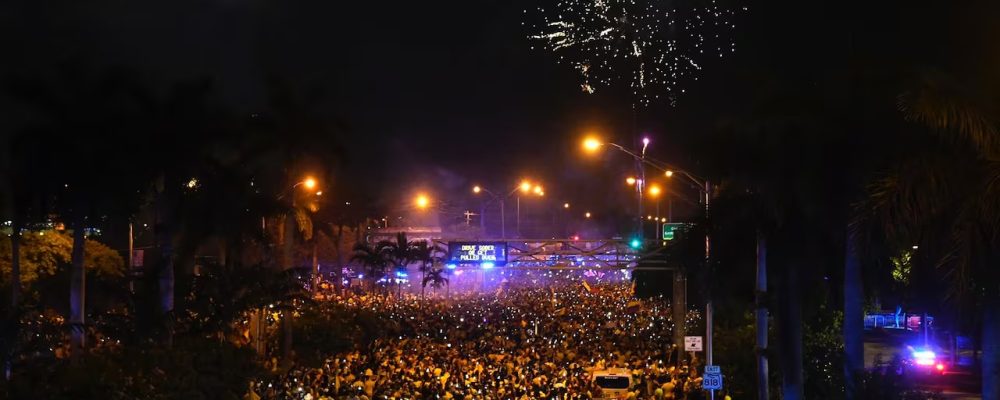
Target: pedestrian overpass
column 564, row 254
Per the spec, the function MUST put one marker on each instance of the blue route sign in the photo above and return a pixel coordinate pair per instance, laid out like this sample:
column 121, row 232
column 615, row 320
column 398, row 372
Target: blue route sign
column 712, row 380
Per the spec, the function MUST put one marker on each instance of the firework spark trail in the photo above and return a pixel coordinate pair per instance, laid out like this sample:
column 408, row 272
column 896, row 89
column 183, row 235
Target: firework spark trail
column 639, row 42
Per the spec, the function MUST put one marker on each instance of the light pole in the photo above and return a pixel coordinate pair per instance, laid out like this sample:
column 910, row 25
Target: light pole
column 592, row 144
column 524, row 187
column 654, row 193
column 704, row 188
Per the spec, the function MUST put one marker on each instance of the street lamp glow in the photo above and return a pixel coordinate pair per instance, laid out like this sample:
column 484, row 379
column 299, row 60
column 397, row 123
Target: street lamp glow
column 669, row 173
column 476, row 189
column 309, row 183
column 645, row 141
column 654, row 190
column 565, row 205
column 538, row 190
column 525, row 186
column 422, row 201
column 591, row 144
column 630, row 180
column 587, row 215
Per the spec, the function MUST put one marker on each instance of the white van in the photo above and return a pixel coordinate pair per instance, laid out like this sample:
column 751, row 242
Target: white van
column 614, row 382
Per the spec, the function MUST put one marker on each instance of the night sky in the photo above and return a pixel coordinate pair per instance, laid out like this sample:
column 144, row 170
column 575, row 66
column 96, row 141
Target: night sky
column 448, row 91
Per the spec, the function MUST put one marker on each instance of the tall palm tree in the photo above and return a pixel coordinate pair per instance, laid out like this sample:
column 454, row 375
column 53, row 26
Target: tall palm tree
column 430, row 256
column 953, row 178
column 374, row 263
column 401, row 253
column 435, row 277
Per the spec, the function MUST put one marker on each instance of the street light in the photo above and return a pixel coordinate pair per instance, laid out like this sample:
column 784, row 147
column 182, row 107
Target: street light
column 525, row 187
column 705, row 188
column 565, row 205
column 654, row 190
column 587, row 215
column 630, row 180
column 309, row 183
column 422, row 201
column 592, row 144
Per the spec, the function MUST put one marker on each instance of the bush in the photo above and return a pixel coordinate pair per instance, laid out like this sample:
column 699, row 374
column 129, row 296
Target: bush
column 192, row 369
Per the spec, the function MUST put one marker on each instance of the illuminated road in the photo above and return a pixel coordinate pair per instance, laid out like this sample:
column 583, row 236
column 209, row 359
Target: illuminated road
column 958, row 385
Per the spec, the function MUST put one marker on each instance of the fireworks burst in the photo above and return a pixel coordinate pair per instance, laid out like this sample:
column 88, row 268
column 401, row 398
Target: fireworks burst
column 647, row 43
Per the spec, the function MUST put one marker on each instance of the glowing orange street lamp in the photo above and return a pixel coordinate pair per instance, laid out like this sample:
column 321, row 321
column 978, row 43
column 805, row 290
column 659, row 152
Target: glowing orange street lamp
column 654, row 190
column 309, row 183
column 525, row 186
column 422, row 201
column 476, row 189
column 591, row 144
column 630, row 180
column 669, row 173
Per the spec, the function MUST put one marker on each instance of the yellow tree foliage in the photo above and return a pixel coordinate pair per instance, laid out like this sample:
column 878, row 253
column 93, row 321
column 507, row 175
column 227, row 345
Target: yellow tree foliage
column 44, row 252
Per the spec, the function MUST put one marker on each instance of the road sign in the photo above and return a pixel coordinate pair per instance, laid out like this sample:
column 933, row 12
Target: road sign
column 692, row 343
column 671, row 230
column 478, row 252
column 712, row 379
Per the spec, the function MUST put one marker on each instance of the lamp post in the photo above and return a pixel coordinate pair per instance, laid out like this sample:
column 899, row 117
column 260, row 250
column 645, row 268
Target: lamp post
column 654, row 193
column 705, row 188
column 524, row 187
column 592, row 144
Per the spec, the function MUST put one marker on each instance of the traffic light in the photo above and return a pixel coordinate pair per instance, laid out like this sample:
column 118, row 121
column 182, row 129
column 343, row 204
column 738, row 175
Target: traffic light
column 635, row 243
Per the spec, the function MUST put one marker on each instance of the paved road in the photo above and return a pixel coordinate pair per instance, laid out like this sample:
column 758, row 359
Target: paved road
column 955, row 385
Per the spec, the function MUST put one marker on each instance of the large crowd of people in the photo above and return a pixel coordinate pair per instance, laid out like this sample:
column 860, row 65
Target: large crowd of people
column 527, row 342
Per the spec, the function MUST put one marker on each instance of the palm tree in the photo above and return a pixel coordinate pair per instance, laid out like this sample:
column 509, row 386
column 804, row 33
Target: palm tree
column 374, row 263
column 401, row 253
column 429, row 257
column 435, row 276
column 952, row 179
